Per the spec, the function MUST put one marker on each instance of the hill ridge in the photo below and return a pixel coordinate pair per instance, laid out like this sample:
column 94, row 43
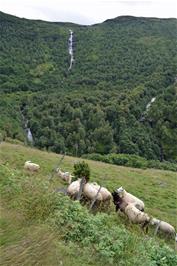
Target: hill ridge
column 99, row 106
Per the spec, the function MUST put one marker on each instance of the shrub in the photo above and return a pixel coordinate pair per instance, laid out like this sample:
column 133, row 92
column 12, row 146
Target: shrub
column 81, row 169
column 112, row 243
column 132, row 161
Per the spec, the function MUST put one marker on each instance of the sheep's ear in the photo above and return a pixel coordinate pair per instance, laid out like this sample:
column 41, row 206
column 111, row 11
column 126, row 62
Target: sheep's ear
column 121, row 189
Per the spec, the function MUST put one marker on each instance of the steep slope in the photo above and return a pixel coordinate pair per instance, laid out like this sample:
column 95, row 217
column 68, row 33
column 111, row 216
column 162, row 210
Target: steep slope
column 100, row 104
column 42, row 227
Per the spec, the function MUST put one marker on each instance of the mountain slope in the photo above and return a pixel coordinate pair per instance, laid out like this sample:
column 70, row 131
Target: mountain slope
column 100, row 105
column 42, row 227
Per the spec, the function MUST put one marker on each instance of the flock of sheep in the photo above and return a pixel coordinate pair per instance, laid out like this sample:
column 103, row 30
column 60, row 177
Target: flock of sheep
column 125, row 202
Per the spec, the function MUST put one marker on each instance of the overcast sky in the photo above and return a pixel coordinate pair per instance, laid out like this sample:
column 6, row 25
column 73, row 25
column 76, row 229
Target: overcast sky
column 88, row 11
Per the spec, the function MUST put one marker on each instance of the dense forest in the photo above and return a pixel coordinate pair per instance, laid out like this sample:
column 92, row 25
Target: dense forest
column 119, row 97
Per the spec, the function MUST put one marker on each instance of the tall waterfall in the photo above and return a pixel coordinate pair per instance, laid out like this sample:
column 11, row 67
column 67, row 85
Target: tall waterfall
column 149, row 104
column 70, row 49
column 29, row 135
column 143, row 116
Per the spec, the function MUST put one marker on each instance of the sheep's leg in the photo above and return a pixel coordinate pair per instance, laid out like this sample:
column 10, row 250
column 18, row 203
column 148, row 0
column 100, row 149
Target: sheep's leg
column 145, row 226
column 95, row 198
column 157, row 228
column 118, row 211
column 117, row 208
column 107, row 203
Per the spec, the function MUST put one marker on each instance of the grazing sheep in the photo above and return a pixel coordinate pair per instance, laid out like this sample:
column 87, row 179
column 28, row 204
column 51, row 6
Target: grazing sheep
column 73, row 188
column 129, row 198
column 90, row 191
column 106, row 195
column 118, row 202
column 164, row 227
column 136, row 216
column 66, row 176
column 33, row 167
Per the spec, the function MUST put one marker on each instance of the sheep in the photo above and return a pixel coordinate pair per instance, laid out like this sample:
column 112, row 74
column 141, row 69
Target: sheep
column 163, row 227
column 130, row 210
column 129, row 198
column 106, row 195
column 118, row 201
column 66, row 176
column 136, row 216
column 90, row 191
column 33, row 167
column 73, row 188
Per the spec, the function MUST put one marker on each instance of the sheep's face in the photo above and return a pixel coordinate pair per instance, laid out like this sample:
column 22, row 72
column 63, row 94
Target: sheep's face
column 154, row 221
column 116, row 197
column 120, row 191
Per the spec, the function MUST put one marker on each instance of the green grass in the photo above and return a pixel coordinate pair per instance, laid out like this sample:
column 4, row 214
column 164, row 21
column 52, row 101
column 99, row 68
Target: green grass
column 40, row 227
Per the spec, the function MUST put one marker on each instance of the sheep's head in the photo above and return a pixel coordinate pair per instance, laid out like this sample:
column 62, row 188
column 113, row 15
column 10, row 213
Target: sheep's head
column 154, row 221
column 116, row 198
column 57, row 170
column 120, row 191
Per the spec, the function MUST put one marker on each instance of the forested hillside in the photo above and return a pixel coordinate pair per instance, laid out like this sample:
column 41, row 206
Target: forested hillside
column 103, row 104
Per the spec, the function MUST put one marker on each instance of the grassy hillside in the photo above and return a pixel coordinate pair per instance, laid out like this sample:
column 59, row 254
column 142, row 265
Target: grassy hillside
column 41, row 227
column 100, row 105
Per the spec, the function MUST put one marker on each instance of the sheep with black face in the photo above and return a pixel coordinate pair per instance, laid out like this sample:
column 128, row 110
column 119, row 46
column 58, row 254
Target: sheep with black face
column 129, row 198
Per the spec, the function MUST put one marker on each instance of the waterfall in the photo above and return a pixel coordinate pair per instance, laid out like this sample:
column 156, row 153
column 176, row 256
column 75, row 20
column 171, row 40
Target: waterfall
column 149, row 104
column 70, row 49
column 143, row 116
column 29, row 135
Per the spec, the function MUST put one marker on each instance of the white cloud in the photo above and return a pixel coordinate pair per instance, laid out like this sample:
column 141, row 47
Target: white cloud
column 88, row 11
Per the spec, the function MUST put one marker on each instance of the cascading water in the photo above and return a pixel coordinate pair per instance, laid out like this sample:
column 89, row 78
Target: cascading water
column 149, row 104
column 27, row 129
column 143, row 117
column 70, row 49
column 29, row 135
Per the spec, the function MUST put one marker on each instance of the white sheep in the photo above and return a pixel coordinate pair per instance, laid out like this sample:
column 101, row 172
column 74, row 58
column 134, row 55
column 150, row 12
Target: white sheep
column 66, row 176
column 129, row 198
column 163, row 227
column 90, row 191
column 136, row 216
column 106, row 195
column 73, row 188
column 31, row 166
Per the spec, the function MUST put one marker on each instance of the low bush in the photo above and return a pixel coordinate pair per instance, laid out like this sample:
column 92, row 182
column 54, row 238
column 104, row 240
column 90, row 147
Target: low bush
column 113, row 243
column 131, row 161
column 81, row 169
